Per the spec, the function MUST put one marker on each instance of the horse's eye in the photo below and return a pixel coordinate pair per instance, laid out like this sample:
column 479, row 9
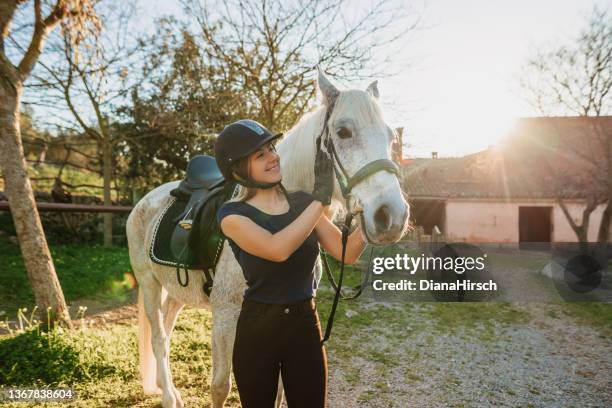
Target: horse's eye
column 344, row 133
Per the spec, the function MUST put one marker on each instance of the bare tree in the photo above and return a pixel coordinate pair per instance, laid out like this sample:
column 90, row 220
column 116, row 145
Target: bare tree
column 78, row 17
column 87, row 82
column 575, row 80
column 272, row 46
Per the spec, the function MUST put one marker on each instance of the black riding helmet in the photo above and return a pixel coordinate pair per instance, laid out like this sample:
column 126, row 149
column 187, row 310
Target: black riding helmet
column 236, row 141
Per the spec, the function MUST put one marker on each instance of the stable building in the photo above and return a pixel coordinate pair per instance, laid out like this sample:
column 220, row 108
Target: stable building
column 512, row 193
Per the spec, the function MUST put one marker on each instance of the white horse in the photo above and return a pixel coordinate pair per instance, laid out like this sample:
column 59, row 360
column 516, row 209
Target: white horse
column 360, row 135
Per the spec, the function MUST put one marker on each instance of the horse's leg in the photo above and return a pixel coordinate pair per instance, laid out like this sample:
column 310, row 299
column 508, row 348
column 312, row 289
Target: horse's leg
column 280, row 393
column 152, row 292
column 170, row 310
column 223, row 334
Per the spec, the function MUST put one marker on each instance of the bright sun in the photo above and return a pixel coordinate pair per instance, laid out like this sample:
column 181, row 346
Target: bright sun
column 464, row 117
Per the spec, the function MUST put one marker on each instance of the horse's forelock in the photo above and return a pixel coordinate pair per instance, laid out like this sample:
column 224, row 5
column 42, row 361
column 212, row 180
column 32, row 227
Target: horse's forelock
column 359, row 106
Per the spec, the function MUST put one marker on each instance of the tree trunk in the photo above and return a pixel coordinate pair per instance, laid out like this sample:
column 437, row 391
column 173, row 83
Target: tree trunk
column 42, row 155
column 36, row 256
column 604, row 228
column 603, row 236
column 583, row 240
column 107, row 173
column 581, row 230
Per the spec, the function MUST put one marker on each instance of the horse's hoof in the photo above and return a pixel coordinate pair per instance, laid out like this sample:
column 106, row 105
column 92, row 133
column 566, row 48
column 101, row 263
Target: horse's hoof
column 169, row 401
column 179, row 400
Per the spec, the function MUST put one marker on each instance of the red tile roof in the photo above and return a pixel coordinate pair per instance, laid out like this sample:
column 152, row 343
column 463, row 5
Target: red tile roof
column 540, row 157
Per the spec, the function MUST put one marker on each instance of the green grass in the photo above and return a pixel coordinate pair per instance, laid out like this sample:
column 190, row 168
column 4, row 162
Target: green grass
column 64, row 357
column 595, row 314
column 83, row 271
column 450, row 316
column 102, row 364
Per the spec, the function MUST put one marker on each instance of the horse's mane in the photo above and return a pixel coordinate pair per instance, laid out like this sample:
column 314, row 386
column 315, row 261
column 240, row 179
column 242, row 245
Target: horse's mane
column 297, row 148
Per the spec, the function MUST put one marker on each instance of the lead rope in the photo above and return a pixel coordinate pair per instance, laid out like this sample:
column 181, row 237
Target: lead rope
column 358, row 288
column 338, row 286
column 330, row 320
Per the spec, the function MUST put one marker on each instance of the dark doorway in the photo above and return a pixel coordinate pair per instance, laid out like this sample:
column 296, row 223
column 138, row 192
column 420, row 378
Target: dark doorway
column 427, row 214
column 535, row 227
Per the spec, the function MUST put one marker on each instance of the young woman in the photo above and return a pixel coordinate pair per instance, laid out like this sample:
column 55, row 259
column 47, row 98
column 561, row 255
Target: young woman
column 275, row 236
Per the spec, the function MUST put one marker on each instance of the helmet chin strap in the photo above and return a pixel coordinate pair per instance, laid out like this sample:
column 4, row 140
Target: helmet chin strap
column 264, row 186
column 255, row 184
column 250, row 182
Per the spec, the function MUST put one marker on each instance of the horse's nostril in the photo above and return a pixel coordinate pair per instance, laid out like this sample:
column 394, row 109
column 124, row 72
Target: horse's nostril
column 382, row 218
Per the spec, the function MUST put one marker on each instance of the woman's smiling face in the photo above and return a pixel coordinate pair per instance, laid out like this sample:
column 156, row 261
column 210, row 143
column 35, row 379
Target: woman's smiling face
column 264, row 164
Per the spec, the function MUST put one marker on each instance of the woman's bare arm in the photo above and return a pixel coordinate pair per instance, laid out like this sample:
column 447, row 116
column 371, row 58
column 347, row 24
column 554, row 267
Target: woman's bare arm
column 330, row 238
column 262, row 243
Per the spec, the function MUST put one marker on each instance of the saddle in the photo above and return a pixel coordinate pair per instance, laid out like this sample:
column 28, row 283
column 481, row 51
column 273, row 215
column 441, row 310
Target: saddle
column 187, row 235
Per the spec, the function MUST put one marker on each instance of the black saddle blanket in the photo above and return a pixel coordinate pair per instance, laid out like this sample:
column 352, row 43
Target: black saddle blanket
column 160, row 252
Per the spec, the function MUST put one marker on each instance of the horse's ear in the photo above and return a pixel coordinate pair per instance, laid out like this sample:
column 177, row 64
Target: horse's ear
column 373, row 89
column 327, row 90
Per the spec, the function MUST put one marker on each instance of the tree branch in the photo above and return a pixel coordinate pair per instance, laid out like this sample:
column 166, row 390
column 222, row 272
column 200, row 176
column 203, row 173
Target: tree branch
column 41, row 29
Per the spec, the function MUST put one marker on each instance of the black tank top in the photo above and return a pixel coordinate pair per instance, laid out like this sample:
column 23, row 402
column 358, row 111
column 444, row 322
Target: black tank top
column 276, row 282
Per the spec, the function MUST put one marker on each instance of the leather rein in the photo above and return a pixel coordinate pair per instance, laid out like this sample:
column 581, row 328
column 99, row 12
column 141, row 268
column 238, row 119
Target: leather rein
column 346, row 184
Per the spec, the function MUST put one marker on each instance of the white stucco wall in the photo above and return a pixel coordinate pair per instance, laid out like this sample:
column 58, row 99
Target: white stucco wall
column 498, row 221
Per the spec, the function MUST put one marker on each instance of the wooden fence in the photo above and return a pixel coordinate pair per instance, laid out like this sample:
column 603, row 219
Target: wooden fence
column 60, row 207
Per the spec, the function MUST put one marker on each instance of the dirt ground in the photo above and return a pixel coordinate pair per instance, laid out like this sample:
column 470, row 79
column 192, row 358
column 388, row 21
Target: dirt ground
column 550, row 362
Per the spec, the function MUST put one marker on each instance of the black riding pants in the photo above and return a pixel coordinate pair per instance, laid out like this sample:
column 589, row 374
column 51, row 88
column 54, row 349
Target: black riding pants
column 285, row 339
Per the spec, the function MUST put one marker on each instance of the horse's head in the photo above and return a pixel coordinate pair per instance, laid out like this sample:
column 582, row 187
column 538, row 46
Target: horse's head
column 361, row 136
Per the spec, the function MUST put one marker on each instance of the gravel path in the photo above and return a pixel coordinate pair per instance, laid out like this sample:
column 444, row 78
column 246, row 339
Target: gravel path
column 548, row 362
column 406, row 359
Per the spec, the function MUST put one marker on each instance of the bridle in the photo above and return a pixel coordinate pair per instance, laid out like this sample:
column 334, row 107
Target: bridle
column 346, row 184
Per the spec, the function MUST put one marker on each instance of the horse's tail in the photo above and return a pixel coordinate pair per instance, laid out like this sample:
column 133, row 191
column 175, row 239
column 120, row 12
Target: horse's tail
column 148, row 368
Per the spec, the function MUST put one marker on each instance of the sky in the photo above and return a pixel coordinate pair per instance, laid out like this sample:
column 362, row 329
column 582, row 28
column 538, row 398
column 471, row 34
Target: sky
column 463, row 95
column 460, row 94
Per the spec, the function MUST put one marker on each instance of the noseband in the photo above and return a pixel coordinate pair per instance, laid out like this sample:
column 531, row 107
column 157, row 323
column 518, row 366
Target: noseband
column 347, row 183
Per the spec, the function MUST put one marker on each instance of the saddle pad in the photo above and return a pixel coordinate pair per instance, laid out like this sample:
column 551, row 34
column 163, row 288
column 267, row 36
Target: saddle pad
column 160, row 252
